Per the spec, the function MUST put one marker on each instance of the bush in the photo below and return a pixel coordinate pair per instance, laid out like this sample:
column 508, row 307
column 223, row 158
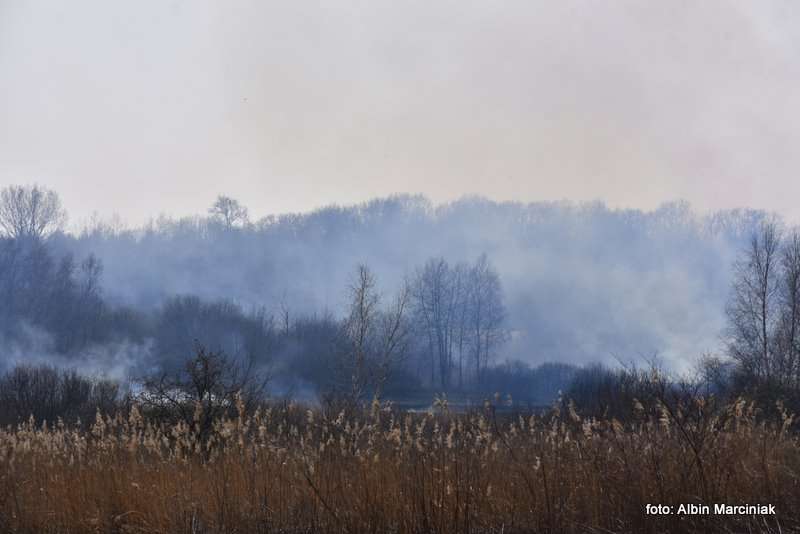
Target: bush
column 47, row 394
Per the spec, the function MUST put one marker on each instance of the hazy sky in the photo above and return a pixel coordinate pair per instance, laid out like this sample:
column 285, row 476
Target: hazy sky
column 153, row 106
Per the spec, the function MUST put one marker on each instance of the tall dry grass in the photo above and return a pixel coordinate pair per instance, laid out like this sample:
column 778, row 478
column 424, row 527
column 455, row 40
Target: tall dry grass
column 289, row 469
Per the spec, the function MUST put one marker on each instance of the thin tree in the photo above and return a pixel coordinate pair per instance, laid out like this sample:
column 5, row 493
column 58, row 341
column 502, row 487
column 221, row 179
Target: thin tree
column 487, row 312
column 753, row 308
column 435, row 308
column 789, row 299
column 393, row 337
column 359, row 330
column 375, row 339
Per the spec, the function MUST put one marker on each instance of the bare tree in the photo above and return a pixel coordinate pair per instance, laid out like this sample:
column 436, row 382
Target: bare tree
column 359, row 328
column 393, row 337
column 753, row 310
column 788, row 338
column 209, row 386
column 89, row 298
column 229, row 211
column 30, row 212
column 486, row 312
column 435, row 307
column 461, row 298
column 460, row 311
column 375, row 339
column 47, row 394
column 91, row 269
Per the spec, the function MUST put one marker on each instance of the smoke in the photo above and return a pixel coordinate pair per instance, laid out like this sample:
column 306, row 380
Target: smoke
column 582, row 282
column 117, row 360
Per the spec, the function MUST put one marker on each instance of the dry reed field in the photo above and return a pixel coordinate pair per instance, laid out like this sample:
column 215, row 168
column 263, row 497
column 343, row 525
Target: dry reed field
column 291, row 469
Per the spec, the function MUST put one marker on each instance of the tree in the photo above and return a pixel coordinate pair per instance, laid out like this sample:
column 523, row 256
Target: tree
column 764, row 311
column 459, row 310
column 435, row 306
column 30, row 212
column 47, row 394
column 461, row 298
column 89, row 299
column 209, row 386
column 753, row 308
column 394, row 332
column 486, row 312
column 788, row 337
column 221, row 326
column 375, row 339
column 229, row 211
column 359, row 330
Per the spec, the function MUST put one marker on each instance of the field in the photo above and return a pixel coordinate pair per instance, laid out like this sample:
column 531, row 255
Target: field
column 290, row 469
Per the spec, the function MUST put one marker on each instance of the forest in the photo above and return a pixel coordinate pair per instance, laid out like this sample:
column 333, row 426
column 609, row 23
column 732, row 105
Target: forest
column 395, row 297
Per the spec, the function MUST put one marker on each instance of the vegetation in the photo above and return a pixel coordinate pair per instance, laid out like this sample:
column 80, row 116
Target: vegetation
column 204, row 451
column 558, row 282
column 204, row 445
column 286, row 468
column 446, row 322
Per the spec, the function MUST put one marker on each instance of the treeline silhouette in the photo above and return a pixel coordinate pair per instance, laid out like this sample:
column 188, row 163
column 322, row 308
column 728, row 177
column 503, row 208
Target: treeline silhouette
column 580, row 282
column 393, row 297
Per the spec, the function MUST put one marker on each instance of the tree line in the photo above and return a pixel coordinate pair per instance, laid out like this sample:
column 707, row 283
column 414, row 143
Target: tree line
column 443, row 328
column 763, row 332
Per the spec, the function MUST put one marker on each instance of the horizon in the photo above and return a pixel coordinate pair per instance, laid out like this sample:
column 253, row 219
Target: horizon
column 75, row 225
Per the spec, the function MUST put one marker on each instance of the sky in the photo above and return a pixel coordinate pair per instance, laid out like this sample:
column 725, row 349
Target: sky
column 148, row 107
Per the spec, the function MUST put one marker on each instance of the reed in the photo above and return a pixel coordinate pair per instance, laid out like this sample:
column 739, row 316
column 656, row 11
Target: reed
column 293, row 469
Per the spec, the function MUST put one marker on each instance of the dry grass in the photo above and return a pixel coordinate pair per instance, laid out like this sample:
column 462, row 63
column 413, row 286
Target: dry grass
column 288, row 469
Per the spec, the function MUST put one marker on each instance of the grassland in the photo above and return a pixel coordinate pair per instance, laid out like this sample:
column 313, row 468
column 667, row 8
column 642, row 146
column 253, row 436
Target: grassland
column 290, row 469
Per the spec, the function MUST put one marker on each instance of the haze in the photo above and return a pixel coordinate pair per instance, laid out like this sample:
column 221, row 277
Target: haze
column 148, row 107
